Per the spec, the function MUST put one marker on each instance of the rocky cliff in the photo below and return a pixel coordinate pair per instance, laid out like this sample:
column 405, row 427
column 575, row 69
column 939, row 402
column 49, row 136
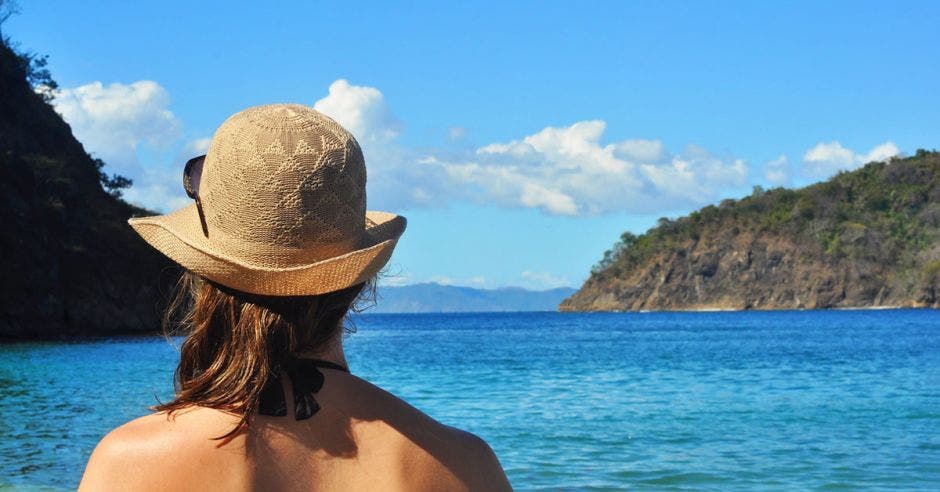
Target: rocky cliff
column 866, row 238
column 70, row 263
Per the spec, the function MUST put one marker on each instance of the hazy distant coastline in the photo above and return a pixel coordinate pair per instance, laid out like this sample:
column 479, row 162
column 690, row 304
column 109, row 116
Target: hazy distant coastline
column 437, row 298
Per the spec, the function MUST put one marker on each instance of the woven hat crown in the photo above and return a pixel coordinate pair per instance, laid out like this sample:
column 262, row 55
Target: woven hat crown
column 280, row 208
column 282, row 185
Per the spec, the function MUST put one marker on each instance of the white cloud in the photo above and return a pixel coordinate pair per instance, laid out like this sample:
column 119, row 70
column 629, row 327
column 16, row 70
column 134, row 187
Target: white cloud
column 396, row 279
column 542, row 280
column 456, row 133
column 569, row 171
column 881, row 153
column 113, row 121
column 158, row 188
column 641, row 150
column 527, row 279
column 832, row 153
column 196, row 147
column 777, row 171
column 478, row 282
column 537, row 196
column 361, row 110
column 566, row 170
column 827, row 158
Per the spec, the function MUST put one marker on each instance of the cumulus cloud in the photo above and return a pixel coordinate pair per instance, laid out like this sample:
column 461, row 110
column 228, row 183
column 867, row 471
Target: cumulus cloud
column 159, row 186
column 570, row 171
column 542, row 280
column 827, row 158
column 113, row 121
column 159, row 189
column 565, row 170
column 361, row 110
column 777, row 172
column 881, row 153
column 641, row 150
column 196, row 147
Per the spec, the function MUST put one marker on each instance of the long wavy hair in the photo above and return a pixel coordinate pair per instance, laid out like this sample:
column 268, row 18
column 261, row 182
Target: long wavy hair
column 235, row 341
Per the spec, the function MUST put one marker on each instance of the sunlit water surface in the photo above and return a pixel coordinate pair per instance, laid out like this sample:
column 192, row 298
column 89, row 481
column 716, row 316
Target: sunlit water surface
column 756, row 400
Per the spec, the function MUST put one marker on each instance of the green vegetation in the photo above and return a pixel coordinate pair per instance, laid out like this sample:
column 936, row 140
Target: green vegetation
column 32, row 65
column 114, row 184
column 885, row 213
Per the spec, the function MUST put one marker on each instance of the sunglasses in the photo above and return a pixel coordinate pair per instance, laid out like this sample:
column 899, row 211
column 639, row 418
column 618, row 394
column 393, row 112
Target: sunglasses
column 192, row 175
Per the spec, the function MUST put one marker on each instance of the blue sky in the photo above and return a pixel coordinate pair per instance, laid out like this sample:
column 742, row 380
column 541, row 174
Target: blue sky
column 520, row 139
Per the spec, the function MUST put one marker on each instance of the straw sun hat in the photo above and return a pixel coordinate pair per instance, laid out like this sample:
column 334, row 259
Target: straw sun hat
column 279, row 207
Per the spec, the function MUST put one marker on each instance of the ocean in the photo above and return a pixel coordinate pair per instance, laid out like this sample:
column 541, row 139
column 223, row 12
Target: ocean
column 571, row 401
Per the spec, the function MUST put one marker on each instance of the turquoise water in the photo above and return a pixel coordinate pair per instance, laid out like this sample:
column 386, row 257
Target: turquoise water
column 756, row 400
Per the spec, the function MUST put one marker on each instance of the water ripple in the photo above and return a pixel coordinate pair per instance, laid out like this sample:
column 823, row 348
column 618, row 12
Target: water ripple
column 681, row 401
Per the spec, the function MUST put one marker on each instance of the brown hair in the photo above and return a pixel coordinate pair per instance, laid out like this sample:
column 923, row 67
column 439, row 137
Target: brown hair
column 236, row 341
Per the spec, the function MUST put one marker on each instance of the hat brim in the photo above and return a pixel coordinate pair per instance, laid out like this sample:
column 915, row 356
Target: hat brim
column 179, row 236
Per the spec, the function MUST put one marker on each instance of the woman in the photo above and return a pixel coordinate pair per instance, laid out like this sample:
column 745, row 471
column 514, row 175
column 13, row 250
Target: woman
column 278, row 246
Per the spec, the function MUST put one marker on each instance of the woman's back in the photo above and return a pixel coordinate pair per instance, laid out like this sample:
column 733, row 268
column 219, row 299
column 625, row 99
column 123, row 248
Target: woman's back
column 363, row 438
column 278, row 246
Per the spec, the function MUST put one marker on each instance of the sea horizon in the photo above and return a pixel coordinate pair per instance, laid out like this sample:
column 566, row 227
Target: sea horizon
column 353, row 316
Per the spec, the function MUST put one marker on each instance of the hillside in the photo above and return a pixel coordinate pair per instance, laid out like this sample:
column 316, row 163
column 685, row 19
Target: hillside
column 865, row 238
column 437, row 298
column 71, row 265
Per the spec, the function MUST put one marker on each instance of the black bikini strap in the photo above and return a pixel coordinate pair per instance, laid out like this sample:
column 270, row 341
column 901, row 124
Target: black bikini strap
column 325, row 363
column 306, row 379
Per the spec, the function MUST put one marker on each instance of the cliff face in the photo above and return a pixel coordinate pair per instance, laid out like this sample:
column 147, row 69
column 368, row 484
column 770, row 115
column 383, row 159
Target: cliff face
column 865, row 238
column 70, row 263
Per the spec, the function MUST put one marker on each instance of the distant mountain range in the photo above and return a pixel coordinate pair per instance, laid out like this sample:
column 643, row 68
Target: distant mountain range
column 437, row 298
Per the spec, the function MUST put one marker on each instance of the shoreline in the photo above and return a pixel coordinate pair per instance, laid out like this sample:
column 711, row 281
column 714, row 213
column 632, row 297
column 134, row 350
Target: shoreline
column 716, row 309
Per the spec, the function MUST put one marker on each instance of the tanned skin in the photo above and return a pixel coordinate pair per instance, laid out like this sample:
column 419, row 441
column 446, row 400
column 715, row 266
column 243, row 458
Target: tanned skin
column 363, row 438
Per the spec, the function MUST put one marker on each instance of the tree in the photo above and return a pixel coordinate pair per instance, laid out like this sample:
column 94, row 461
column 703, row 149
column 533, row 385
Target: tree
column 113, row 184
column 611, row 256
column 33, row 66
column 8, row 8
column 39, row 76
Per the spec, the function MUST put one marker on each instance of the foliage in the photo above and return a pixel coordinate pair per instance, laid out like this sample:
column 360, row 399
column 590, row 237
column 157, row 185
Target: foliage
column 113, row 184
column 627, row 239
column 932, row 274
column 8, row 8
column 884, row 212
column 33, row 66
column 38, row 75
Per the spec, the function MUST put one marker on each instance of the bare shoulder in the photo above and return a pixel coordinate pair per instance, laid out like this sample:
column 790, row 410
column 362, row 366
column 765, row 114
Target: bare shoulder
column 440, row 457
column 116, row 461
column 138, row 454
column 474, row 462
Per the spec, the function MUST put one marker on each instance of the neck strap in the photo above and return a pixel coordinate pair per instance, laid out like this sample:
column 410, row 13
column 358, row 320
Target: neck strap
column 306, row 379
